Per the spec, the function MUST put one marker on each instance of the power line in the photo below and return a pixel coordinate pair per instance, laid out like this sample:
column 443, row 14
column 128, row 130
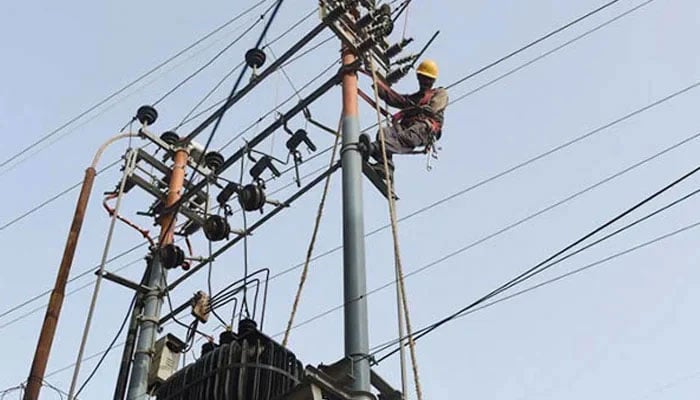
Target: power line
column 548, row 53
column 533, row 43
column 130, row 84
column 517, row 167
column 511, row 72
column 521, row 165
column 507, row 228
column 484, row 306
column 510, row 170
column 213, row 59
column 52, row 199
column 216, row 87
column 389, row 344
column 43, row 307
column 130, row 250
column 549, row 262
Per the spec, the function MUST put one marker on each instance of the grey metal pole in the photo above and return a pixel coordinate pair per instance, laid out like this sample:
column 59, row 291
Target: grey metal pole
column 153, row 300
column 138, row 384
column 354, row 275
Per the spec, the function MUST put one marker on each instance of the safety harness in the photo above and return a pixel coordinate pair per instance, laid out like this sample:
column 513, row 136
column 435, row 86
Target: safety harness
column 416, row 113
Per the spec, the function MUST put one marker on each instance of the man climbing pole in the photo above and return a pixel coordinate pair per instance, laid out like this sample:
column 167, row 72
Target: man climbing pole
column 419, row 121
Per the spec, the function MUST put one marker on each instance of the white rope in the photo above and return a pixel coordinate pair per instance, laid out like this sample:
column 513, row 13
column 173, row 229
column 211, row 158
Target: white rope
column 395, row 234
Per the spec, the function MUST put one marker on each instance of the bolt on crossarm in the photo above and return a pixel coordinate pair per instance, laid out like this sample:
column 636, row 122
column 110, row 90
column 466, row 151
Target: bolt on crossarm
column 53, row 311
column 153, row 300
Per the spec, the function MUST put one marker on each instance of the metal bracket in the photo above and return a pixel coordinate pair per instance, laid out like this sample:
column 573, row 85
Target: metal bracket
column 377, row 181
column 124, row 282
column 201, row 169
column 359, row 42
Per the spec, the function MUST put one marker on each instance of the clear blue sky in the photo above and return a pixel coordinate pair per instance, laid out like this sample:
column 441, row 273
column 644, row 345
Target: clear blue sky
column 625, row 330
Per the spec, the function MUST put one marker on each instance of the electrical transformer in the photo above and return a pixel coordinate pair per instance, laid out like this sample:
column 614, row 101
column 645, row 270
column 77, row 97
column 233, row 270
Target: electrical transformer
column 244, row 366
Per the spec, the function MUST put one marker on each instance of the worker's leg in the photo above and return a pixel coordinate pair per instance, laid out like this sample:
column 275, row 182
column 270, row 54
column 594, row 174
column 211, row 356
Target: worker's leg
column 391, row 143
column 417, row 134
column 400, row 140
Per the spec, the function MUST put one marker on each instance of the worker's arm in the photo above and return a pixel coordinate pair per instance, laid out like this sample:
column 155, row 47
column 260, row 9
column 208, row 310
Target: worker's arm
column 392, row 98
column 439, row 102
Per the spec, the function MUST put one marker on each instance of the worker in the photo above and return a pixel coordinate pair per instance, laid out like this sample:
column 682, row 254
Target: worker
column 419, row 121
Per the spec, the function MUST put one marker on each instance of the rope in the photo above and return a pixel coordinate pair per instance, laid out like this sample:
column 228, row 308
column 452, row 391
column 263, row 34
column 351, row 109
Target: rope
column 310, row 249
column 395, row 234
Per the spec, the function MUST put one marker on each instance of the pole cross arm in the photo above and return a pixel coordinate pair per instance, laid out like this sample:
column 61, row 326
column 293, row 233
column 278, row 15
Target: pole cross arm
column 283, row 205
column 303, row 103
column 255, row 81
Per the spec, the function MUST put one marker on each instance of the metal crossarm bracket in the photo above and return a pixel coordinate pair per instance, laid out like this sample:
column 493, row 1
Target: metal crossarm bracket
column 360, row 42
column 124, row 282
column 199, row 167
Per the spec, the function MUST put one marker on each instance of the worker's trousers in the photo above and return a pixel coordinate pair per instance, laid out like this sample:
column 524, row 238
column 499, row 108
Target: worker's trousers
column 402, row 140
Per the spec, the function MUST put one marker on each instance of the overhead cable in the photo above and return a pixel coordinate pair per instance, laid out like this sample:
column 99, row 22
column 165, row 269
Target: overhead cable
column 387, row 345
column 131, row 84
column 507, row 228
column 533, row 43
column 547, row 263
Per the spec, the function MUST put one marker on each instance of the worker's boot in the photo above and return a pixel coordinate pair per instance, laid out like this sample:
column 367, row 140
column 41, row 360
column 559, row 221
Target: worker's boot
column 381, row 171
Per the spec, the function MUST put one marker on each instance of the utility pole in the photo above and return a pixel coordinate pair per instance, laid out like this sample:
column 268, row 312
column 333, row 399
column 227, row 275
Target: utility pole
column 53, row 311
column 155, row 282
column 48, row 329
column 354, row 274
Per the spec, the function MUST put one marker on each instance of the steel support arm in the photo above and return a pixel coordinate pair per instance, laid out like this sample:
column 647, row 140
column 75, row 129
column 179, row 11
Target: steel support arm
column 255, row 81
column 256, row 225
column 303, row 103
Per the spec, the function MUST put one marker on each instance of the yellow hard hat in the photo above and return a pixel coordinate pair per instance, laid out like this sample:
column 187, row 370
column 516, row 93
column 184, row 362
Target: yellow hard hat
column 428, row 68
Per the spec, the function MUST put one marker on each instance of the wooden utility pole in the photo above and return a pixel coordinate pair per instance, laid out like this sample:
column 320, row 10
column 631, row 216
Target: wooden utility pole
column 48, row 328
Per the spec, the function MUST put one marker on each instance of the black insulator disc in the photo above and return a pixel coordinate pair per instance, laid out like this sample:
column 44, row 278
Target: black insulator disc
column 216, row 228
column 255, row 58
column 147, row 115
column 172, row 256
column 214, row 161
column 170, row 137
column 251, row 197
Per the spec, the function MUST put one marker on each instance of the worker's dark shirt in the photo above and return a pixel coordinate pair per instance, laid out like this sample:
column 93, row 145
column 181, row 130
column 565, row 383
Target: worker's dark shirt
column 435, row 107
